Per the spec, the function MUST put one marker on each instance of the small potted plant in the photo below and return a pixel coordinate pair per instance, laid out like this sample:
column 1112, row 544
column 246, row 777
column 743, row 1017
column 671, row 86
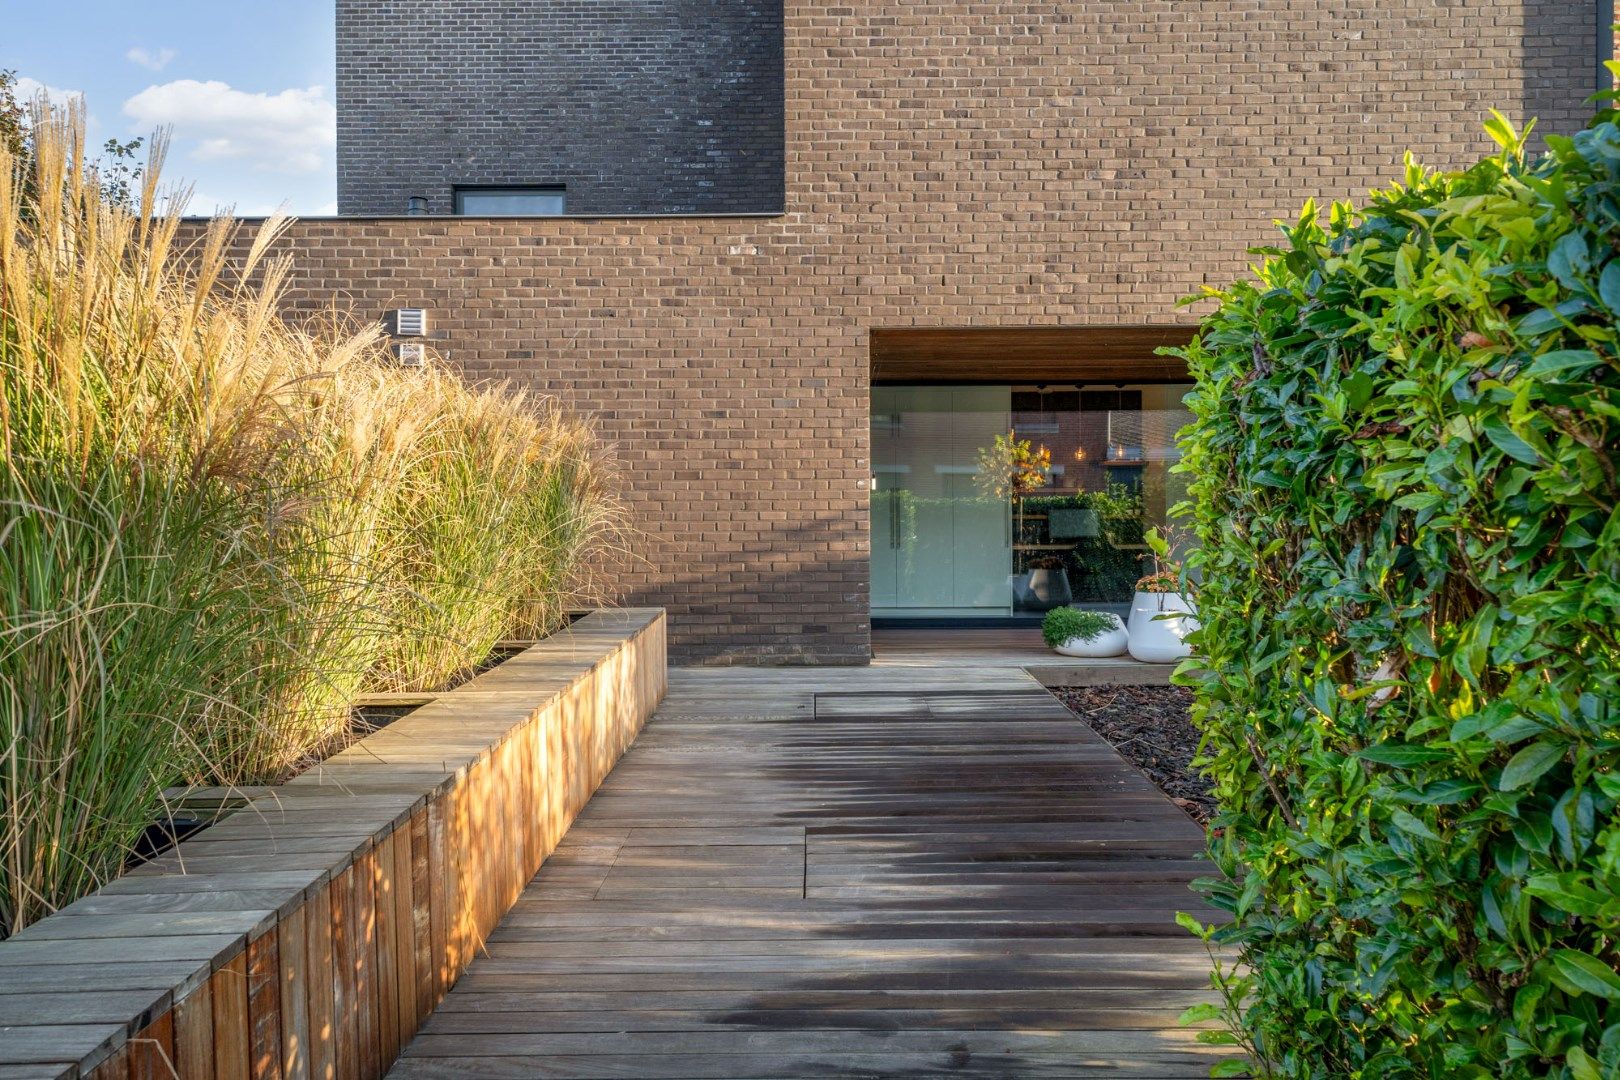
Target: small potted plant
column 1161, row 614
column 1079, row 632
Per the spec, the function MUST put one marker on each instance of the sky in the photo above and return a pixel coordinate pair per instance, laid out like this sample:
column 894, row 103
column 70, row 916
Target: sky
column 245, row 87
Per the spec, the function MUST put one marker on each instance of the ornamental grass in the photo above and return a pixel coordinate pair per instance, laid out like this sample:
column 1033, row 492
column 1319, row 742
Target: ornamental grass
column 216, row 529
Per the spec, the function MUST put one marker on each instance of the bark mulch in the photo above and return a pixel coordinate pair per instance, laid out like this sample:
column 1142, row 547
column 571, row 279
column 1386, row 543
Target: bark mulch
column 1150, row 726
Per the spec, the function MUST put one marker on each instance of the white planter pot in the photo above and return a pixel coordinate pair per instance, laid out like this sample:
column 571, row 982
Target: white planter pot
column 1156, row 640
column 1108, row 643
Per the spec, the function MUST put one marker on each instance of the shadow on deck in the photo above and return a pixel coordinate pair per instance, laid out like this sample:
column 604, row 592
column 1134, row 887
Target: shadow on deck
column 902, row 870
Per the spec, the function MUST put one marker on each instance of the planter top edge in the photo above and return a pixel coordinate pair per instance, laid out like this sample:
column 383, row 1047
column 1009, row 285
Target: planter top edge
column 125, row 916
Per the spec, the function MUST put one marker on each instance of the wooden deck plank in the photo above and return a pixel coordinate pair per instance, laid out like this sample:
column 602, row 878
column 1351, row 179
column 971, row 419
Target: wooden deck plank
column 847, row 873
column 945, row 1062
column 81, row 1008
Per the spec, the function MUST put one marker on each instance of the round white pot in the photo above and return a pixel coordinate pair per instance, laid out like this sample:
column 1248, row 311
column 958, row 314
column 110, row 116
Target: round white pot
column 1156, row 640
column 1108, row 643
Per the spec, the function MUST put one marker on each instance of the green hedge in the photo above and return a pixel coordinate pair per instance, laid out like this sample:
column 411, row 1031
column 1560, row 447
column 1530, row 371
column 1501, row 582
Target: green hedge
column 1404, row 480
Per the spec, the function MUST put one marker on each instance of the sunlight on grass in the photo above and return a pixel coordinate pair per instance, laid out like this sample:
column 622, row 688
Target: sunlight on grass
column 218, row 529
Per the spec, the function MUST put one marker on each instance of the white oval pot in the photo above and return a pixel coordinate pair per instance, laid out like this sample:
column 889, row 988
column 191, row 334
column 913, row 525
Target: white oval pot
column 1155, row 640
column 1108, row 643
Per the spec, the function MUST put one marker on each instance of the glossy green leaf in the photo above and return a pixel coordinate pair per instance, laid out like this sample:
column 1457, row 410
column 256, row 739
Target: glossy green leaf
column 1581, row 973
column 1565, row 363
column 1528, row 764
column 1569, row 260
column 1403, row 756
column 1508, row 442
column 1609, row 285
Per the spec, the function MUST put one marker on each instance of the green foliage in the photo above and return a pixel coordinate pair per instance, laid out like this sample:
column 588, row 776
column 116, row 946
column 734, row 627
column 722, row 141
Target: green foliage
column 1010, row 468
column 1067, row 623
column 1116, row 503
column 1406, row 499
column 13, row 118
column 118, row 173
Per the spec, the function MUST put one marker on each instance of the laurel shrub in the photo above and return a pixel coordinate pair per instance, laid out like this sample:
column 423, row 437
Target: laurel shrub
column 1404, row 482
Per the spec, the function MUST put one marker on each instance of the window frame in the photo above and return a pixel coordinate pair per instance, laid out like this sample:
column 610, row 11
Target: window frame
column 460, row 191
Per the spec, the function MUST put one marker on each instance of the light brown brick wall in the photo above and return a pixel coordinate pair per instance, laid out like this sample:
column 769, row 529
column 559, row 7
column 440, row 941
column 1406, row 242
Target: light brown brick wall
column 948, row 163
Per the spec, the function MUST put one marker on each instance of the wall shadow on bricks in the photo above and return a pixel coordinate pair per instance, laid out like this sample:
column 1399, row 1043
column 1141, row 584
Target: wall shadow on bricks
column 1560, row 38
column 815, row 612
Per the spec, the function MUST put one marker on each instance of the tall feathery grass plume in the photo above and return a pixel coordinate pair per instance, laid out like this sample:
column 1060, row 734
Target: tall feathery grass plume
column 217, row 528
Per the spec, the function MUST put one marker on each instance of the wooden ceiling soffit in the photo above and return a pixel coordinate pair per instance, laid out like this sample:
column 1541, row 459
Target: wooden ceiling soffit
column 1067, row 354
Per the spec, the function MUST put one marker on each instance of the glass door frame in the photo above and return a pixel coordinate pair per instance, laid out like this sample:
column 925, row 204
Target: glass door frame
column 1132, row 461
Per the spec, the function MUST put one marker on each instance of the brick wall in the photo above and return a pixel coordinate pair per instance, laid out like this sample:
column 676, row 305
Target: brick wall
column 636, row 106
column 950, row 163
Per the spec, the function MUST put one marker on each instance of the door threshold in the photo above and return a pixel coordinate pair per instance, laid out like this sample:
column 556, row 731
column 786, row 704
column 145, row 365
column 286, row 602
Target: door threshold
column 947, row 622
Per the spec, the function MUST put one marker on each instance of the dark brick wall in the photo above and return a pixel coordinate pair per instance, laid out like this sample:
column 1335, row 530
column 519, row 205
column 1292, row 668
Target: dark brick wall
column 637, row 106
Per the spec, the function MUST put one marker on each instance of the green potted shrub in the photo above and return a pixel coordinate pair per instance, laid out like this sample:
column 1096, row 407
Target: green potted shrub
column 1071, row 631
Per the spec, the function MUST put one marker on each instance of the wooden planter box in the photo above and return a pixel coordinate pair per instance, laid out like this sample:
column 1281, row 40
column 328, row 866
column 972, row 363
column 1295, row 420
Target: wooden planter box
column 310, row 933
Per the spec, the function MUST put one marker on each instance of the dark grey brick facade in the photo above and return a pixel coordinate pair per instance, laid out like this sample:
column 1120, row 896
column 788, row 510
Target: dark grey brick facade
column 637, row 106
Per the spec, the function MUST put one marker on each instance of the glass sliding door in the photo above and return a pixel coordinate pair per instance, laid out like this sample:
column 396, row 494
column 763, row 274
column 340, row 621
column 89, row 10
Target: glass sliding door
column 947, row 542
column 941, row 547
column 1083, row 539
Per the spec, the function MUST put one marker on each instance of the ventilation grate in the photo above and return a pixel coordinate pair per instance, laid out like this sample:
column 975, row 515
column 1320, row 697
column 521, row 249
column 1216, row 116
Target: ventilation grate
column 410, row 322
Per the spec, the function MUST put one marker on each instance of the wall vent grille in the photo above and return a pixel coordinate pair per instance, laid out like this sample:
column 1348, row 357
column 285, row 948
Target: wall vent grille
column 410, row 322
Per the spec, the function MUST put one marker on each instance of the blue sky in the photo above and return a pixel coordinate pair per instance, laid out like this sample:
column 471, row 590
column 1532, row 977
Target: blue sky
column 246, row 88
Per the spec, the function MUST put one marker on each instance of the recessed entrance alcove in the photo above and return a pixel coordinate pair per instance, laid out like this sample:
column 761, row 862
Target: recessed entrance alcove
column 1018, row 470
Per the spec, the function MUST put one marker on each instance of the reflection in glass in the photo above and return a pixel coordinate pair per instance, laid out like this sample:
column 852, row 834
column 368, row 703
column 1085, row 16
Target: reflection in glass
column 1009, row 500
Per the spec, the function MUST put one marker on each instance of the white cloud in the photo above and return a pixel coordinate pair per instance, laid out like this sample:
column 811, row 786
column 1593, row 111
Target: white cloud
column 152, row 60
column 202, row 204
column 289, row 132
column 28, row 89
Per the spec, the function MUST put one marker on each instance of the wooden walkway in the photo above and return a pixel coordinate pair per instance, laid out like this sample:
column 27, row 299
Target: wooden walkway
column 888, row 871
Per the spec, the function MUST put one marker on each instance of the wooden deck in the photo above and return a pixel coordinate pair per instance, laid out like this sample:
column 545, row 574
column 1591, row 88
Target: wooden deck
column 901, row 870
column 935, row 648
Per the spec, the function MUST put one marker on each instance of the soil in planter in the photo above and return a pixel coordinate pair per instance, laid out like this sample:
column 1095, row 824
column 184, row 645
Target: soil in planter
column 1151, row 728
column 162, row 835
column 369, row 718
column 184, row 820
column 366, row 719
column 494, row 660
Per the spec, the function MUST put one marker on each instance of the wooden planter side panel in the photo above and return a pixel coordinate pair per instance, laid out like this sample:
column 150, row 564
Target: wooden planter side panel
column 349, row 968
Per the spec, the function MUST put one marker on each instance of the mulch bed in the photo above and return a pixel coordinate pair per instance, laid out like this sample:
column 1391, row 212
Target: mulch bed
column 1151, row 728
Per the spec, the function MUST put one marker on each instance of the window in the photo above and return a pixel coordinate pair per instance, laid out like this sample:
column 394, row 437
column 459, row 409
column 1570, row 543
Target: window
column 546, row 200
column 955, row 537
